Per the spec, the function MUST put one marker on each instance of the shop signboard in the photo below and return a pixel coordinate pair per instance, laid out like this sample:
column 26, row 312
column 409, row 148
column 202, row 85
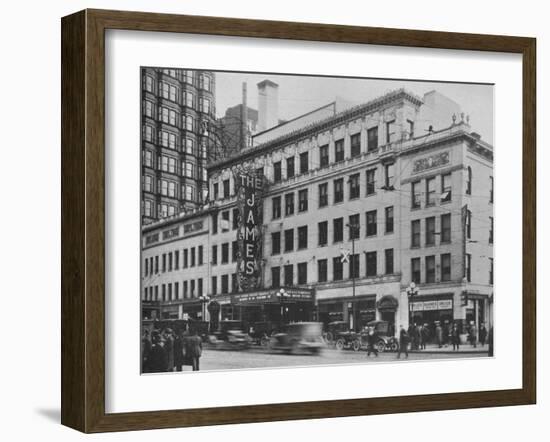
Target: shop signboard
column 446, row 304
column 430, row 305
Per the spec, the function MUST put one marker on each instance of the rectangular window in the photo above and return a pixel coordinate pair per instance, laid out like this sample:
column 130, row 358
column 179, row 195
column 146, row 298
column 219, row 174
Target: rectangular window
column 236, row 219
column 354, row 186
column 354, row 227
column 185, row 259
column 371, row 182
column 290, row 171
column 371, row 264
column 289, row 204
column 371, row 223
column 337, row 269
column 389, row 219
column 430, row 269
column 289, row 240
column 389, row 172
column 446, row 228
column 192, row 256
column 275, row 243
column 491, row 271
column 468, row 268
column 214, row 255
column 415, row 270
column 201, row 255
column 302, row 237
column 446, row 188
column 289, row 275
column 388, row 253
column 415, row 195
column 389, row 131
column 302, row 273
column 214, row 223
column 468, row 224
column 491, row 189
column 323, row 195
column 234, row 285
column 430, row 192
column 199, row 288
column 338, row 190
column 275, row 277
column 339, row 150
column 372, row 139
column 214, row 285
column 411, row 128
column 176, row 259
column 446, row 267
column 146, row 266
column 192, row 289
column 225, row 221
column 234, row 251
column 322, row 270
column 323, row 233
column 323, row 156
column 304, row 162
column 302, row 200
column 226, row 188
column 354, row 266
column 338, row 230
column 170, row 262
column 430, row 231
column 277, row 172
column 225, row 253
column 163, row 262
column 276, row 207
column 225, row 284
column 355, row 145
column 491, row 230
column 415, row 233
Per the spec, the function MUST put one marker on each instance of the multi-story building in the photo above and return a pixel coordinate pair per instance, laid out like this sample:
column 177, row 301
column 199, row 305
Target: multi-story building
column 177, row 116
column 358, row 206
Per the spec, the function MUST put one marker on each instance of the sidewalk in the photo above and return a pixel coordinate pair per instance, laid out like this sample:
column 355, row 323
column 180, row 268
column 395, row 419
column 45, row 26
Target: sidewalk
column 464, row 349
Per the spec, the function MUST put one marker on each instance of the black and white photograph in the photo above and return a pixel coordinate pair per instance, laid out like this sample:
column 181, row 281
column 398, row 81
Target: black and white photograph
column 294, row 220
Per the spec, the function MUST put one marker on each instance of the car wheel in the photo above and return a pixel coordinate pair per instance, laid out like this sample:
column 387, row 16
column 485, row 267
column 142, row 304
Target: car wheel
column 356, row 345
column 340, row 344
column 381, row 346
column 330, row 337
column 264, row 341
column 394, row 346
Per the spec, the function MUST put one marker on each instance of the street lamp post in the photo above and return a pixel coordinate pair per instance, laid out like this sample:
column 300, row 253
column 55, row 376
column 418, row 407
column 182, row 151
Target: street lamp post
column 204, row 299
column 352, row 230
column 412, row 291
column 281, row 295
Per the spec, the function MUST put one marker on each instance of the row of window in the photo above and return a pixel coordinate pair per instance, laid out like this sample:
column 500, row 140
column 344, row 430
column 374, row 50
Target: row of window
column 171, row 291
column 172, row 141
column 163, row 209
column 172, row 116
column 169, row 188
column 430, row 231
column 170, row 165
column 168, row 90
column 170, row 261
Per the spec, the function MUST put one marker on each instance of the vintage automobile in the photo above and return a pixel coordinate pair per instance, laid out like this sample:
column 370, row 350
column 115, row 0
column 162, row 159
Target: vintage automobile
column 334, row 329
column 230, row 336
column 261, row 332
column 357, row 341
column 299, row 337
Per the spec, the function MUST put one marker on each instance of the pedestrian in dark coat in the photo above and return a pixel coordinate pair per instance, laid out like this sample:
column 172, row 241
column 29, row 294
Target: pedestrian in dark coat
column 169, row 346
column 372, row 340
column 179, row 351
column 193, row 349
column 455, row 338
column 439, row 335
column 425, row 335
column 482, row 335
column 145, row 350
column 403, row 342
column 472, row 335
column 490, row 341
column 411, row 335
column 158, row 359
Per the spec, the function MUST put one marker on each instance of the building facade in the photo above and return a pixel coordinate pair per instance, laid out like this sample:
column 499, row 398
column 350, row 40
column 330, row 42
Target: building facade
column 358, row 206
column 177, row 117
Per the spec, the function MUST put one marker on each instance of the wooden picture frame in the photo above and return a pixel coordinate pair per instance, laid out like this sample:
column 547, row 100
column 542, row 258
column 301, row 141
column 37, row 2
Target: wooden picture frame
column 83, row 220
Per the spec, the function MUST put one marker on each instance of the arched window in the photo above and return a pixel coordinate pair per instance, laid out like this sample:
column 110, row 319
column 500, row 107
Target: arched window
column 469, row 182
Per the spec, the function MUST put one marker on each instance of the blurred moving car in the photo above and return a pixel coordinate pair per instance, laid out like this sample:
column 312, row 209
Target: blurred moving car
column 261, row 332
column 299, row 337
column 230, row 336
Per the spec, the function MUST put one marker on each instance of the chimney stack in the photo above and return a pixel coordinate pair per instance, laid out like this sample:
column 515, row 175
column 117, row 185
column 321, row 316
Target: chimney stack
column 268, row 105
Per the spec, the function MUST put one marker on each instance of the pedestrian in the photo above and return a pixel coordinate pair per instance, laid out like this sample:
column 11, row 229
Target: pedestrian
column 158, row 360
column 403, row 342
column 472, row 335
column 193, row 349
column 169, row 346
column 490, row 341
column 482, row 334
column 455, row 337
column 411, row 336
column 145, row 350
column 446, row 333
column 439, row 334
column 179, row 350
column 425, row 335
column 372, row 340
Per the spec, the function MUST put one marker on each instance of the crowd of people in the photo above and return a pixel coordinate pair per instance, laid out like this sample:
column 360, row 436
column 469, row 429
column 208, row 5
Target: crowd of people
column 164, row 350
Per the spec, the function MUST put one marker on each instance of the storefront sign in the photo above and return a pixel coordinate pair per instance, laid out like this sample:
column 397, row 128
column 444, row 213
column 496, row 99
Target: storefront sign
column 431, row 162
column 271, row 296
column 417, row 306
column 430, row 305
column 446, row 304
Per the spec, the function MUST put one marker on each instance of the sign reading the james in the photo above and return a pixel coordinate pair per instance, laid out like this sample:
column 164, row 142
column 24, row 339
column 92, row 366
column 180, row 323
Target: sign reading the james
column 249, row 190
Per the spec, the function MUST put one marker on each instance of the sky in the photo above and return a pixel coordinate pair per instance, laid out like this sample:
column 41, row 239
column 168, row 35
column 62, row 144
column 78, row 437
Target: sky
column 301, row 94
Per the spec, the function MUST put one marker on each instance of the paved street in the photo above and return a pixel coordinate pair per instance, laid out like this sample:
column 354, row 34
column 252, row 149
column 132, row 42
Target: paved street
column 227, row 360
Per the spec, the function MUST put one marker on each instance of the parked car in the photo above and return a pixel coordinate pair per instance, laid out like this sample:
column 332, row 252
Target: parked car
column 261, row 332
column 384, row 331
column 299, row 337
column 334, row 329
column 385, row 341
column 230, row 336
